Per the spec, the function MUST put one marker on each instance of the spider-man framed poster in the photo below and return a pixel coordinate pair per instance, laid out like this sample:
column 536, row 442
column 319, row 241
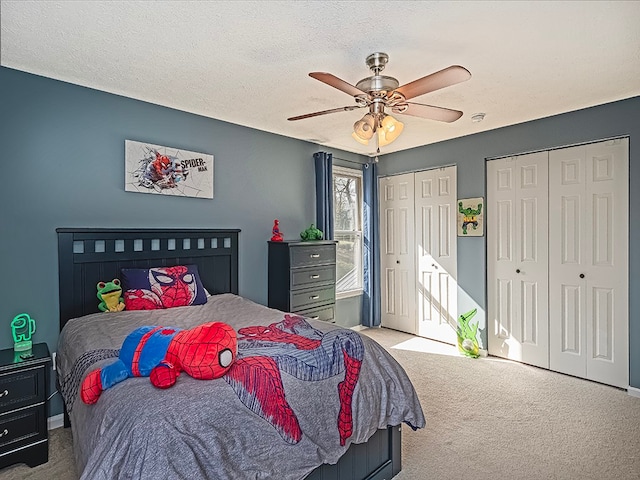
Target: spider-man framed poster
column 167, row 171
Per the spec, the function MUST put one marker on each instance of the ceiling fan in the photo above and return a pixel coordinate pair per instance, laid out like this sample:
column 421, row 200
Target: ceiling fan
column 380, row 92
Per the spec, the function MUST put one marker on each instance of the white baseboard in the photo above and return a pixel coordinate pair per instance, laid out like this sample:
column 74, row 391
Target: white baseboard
column 633, row 391
column 56, row 421
column 483, row 353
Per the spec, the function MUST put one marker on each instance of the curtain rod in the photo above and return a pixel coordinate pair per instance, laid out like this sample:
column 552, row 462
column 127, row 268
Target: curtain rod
column 345, row 160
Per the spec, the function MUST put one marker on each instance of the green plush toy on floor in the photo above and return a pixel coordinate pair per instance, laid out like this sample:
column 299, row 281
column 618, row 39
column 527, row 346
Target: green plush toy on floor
column 467, row 341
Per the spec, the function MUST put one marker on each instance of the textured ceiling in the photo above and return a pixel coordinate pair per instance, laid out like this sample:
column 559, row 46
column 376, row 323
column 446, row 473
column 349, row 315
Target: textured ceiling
column 247, row 62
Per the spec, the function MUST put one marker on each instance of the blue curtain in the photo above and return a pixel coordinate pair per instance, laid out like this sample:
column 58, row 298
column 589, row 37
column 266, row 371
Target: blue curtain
column 371, row 260
column 324, row 193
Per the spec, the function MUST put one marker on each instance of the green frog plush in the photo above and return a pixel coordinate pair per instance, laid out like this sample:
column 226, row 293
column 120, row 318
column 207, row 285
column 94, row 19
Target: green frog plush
column 110, row 296
column 311, row 233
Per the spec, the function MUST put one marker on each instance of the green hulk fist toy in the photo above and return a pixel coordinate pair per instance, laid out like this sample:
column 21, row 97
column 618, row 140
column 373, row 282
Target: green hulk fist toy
column 311, row 233
column 467, row 342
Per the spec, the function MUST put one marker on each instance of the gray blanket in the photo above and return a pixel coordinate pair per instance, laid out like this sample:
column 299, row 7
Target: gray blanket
column 214, row 429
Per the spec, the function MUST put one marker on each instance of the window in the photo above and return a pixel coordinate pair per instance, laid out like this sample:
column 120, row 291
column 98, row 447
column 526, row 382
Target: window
column 347, row 207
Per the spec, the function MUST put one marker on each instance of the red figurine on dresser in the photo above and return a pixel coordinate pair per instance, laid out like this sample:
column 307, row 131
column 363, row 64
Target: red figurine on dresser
column 277, row 236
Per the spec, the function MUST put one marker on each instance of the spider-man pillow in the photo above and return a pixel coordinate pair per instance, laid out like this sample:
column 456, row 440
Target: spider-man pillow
column 162, row 287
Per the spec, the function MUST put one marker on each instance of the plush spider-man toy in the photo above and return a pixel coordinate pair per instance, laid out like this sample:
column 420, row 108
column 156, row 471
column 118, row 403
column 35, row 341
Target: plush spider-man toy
column 204, row 352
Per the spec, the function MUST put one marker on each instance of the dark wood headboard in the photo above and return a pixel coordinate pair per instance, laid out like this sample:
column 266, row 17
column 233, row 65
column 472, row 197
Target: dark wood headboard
column 87, row 256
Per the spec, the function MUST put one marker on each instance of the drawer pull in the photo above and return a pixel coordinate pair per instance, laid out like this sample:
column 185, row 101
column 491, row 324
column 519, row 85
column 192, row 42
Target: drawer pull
column 315, row 255
column 4, row 432
column 4, row 394
column 314, row 276
column 317, row 317
column 314, row 297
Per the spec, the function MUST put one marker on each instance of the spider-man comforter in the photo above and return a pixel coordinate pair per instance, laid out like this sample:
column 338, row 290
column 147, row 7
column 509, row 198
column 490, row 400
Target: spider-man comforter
column 298, row 394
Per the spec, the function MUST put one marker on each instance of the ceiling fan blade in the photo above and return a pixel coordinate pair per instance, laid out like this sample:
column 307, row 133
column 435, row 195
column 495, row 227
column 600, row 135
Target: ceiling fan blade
column 428, row 111
column 324, row 112
column 444, row 78
column 338, row 83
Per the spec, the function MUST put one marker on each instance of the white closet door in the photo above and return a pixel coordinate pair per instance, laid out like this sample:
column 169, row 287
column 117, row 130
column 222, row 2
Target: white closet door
column 435, row 200
column 397, row 252
column 517, row 258
column 588, row 258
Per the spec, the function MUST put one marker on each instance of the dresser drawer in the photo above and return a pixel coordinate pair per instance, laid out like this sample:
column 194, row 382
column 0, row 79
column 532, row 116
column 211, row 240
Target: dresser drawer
column 325, row 314
column 22, row 388
column 307, row 277
column 307, row 255
column 311, row 297
column 23, row 427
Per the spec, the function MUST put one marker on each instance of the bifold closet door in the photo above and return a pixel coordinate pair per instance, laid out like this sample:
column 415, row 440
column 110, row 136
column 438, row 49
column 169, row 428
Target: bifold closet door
column 517, row 258
column 588, row 261
column 397, row 253
column 418, row 254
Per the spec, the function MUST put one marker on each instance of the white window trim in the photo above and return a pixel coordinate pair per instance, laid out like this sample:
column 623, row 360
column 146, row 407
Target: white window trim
column 352, row 172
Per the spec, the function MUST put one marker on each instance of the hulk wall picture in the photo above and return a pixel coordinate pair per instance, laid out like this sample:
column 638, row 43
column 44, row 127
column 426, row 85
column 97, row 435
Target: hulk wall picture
column 471, row 217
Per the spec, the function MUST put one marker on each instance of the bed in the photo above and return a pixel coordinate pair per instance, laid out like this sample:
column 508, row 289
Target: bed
column 214, row 429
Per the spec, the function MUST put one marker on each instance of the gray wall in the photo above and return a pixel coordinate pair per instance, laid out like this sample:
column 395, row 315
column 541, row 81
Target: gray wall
column 469, row 154
column 63, row 150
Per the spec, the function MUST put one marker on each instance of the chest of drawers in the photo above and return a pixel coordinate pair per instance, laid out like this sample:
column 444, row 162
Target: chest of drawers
column 302, row 278
column 23, row 407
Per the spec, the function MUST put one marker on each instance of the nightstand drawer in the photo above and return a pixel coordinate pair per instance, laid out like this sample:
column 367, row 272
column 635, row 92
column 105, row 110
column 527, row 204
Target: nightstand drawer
column 325, row 314
column 311, row 297
column 307, row 277
column 23, row 427
column 22, row 388
column 302, row 256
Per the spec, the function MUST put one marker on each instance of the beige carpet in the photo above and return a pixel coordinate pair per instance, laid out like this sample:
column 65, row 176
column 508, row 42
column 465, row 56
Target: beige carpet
column 486, row 419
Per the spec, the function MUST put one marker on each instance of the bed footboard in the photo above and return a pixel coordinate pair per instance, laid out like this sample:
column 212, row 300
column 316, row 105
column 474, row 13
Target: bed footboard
column 377, row 459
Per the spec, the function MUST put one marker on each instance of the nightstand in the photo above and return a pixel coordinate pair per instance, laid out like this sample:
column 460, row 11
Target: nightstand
column 302, row 278
column 24, row 437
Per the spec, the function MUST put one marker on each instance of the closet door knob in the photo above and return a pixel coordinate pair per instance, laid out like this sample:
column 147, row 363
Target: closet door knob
column 582, row 275
column 517, row 270
column 398, row 262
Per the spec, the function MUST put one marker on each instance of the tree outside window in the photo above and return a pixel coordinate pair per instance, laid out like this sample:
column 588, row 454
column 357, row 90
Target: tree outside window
column 347, row 204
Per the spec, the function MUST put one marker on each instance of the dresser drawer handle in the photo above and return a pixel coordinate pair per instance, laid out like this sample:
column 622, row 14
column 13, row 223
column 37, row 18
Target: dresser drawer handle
column 315, row 255
column 5, row 393
column 314, row 276
column 314, row 297
column 5, row 432
column 317, row 317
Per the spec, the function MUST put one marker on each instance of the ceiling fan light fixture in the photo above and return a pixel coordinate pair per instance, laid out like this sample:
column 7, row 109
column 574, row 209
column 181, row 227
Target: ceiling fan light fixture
column 363, row 128
column 391, row 128
column 383, row 140
column 359, row 140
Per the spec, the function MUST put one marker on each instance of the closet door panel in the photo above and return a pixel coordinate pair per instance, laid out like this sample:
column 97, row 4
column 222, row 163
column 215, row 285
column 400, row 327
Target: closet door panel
column 397, row 252
column 501, row 258
column 436, row 253
column 567, row 251
column 607, row 318
column 532, row 196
